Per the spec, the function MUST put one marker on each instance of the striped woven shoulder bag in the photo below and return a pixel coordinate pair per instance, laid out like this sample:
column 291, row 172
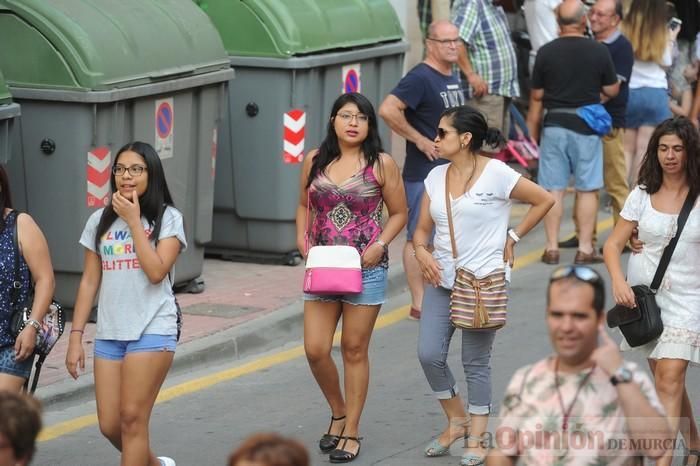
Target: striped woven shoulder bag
column 475, row 303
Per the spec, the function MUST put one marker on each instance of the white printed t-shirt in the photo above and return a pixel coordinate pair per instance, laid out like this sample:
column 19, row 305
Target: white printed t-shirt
column 480, row 219
column 129, row 304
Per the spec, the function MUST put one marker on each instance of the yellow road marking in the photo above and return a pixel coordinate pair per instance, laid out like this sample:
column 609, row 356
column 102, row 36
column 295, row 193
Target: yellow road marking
column 64, row 428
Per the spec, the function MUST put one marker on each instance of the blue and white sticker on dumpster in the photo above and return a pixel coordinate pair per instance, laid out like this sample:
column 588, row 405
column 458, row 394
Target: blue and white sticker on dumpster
column 165, row 127
column 351, row 78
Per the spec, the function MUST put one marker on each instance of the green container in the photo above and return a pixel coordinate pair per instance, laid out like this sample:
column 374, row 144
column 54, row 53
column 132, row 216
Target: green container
column 289, row 28
column 9, row 113
column 289, row 56
column 92, row 75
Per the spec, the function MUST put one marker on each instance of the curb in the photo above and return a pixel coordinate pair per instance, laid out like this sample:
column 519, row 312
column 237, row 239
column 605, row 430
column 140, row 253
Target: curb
column 256, row 336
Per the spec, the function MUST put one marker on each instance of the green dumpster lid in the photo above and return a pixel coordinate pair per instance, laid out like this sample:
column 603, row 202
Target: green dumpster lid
column 274, row 28
column 105, row 44
column 5, row 97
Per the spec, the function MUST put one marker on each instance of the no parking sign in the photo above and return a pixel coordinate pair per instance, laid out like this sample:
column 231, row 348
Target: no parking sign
column 351, row 79
column 165, row 127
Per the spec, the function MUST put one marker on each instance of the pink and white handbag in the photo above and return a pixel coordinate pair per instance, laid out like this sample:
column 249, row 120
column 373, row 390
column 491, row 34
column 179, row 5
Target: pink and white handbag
column 333, row 270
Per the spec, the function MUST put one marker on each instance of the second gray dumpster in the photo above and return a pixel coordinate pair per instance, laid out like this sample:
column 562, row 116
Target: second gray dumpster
column 9, row 112
column 292, row 60
column 92, row 75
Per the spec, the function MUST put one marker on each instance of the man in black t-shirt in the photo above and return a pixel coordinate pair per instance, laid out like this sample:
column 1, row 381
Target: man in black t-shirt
column 570, row 72
column 605, row 17
column 413, row 111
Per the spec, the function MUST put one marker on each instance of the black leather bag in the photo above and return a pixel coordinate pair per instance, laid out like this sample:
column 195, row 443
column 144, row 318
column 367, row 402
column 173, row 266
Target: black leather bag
column 642, row 324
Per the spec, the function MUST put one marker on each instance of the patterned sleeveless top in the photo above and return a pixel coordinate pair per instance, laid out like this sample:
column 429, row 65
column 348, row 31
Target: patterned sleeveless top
column 7, row 278
column 347, row 214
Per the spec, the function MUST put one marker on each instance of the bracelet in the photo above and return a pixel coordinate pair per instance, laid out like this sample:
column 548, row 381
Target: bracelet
column 77, row 331
column 33, row 323
column 382, row 244
column 513, row 235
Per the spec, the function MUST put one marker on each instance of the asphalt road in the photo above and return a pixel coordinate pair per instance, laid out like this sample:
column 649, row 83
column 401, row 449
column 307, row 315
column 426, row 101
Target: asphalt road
column 213, row 408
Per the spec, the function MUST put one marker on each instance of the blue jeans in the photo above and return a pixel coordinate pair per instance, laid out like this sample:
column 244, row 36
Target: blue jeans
column 434, row 336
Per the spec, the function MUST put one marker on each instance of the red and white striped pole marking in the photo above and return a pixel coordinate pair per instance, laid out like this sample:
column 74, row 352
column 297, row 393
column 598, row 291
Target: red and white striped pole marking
column 294, row 131
column 99, row 164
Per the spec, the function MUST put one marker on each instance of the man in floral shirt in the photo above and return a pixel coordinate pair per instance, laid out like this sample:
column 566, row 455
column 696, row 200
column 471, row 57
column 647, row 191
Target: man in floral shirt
column 583, row 405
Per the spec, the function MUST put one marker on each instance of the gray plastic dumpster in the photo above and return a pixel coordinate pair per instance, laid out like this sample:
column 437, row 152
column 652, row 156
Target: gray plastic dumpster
column 9, row 111
column 90, row 76
column 292, row 60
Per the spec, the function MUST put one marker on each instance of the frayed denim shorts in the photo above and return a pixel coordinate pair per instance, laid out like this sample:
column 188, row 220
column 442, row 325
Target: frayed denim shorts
column 373, row 293
column 8, row 364
column 115, row 350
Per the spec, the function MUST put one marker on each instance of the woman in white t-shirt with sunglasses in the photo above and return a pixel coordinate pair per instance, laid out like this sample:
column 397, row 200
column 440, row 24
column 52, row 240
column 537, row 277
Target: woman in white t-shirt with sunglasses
column 481, row 190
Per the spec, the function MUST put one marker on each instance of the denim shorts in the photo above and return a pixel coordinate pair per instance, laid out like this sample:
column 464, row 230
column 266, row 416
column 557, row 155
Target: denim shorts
column 647, row 106
column 8, row 364
column 115, row 350
column 564, row 152
column 373, row 293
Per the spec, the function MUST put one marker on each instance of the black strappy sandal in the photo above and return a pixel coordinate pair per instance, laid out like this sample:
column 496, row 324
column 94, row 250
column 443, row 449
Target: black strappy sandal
column 329, row 442
column 343, row 456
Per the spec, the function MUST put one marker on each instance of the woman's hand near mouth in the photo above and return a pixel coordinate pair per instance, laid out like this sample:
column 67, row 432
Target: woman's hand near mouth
column 128, row 209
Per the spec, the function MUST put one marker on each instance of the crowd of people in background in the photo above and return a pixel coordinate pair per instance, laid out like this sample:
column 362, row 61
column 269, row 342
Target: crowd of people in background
column 611, row 104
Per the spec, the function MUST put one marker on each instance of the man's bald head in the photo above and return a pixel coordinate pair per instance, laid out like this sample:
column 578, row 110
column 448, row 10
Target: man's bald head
column 442, row 27
column 571, row 13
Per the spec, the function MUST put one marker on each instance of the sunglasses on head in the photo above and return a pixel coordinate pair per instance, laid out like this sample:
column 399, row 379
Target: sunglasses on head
column 583, row 273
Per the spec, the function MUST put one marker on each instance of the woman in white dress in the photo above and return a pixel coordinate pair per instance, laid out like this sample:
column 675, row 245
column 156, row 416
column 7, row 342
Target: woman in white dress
column 669, row 172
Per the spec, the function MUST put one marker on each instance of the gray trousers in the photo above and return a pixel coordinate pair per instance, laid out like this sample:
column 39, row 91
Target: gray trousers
column 434, row 339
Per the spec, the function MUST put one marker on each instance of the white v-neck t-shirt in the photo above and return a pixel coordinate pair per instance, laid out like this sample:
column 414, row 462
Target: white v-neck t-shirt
column 480, row 218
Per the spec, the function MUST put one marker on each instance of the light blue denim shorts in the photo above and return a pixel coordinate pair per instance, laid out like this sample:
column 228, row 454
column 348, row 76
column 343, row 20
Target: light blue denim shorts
column 373, row 293
column 115, row 350
column 8, row 364
column 647, row 106
column 564, row 153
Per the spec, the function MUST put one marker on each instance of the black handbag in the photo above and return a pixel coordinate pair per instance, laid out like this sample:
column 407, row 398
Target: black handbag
column 642, row 324
column 52, row 325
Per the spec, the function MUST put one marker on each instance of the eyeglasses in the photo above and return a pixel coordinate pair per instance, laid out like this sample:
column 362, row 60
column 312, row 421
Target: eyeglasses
column 347, row 117
column 454, row 42
column 442, row 132
column 600, row 14
column 134, row 170
column 583, row 273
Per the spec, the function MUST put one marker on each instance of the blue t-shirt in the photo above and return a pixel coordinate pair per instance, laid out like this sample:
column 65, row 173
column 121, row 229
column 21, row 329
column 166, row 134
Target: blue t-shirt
column 623, row 58
column 427, row 93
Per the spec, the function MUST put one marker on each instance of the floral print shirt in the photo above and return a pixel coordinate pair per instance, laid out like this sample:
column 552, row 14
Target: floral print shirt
column 532, row 418
column 348, row 214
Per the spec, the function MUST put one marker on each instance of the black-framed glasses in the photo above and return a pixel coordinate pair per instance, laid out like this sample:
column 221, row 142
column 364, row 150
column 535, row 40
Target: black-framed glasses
column 454, row 42
column 581, row 272
column 442, row 132
column 134, row 170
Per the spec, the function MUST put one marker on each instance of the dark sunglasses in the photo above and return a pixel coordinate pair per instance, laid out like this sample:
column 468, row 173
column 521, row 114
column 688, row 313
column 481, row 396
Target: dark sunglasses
column 442, row 132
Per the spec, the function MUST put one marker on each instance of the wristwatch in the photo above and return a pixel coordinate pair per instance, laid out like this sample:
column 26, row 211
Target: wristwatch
column 622, row 375
column 383, row 245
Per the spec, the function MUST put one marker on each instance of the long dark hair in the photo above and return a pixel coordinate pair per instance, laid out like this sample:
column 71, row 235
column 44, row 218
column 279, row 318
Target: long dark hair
column 467, row 119
column 330, row 148
column 5, row 196
column 153, row 202
column 650, row 173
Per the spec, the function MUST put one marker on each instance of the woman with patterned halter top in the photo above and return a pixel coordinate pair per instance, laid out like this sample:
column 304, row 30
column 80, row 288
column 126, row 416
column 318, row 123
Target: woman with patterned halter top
column 344, row 185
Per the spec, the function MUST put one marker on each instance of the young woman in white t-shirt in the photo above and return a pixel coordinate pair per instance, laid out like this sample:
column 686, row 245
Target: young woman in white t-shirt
column 481, row 190
column 130, row 248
